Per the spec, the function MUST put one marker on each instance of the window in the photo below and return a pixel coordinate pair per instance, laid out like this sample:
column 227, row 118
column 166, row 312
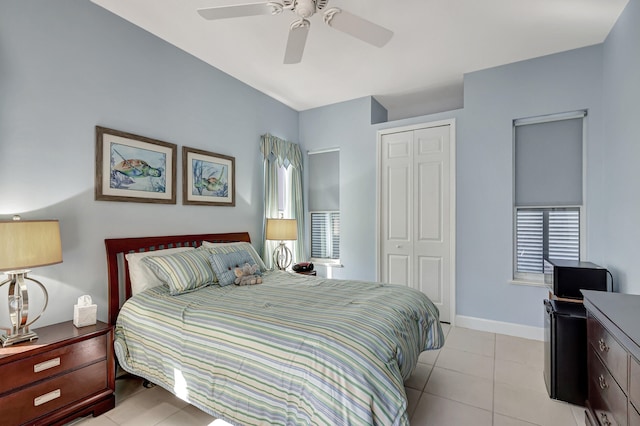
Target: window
column 548, row 192
column 552, row 233
column 324, row 205
column 325, row 235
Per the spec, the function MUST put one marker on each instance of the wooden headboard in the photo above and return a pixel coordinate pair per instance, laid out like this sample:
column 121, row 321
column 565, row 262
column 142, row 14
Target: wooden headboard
column 118, row 272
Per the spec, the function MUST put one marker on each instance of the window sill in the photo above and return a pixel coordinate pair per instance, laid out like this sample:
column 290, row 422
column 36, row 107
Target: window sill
column 527, row 283
column 327, row 263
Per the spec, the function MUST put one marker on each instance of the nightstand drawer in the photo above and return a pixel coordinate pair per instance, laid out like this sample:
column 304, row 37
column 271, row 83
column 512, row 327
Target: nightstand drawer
column 49, row 395
column 605, row 396
column 57, row 361
column 609, row 350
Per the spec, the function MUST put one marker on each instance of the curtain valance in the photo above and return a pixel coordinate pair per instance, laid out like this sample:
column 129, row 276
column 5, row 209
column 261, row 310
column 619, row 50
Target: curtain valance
column 284, row 152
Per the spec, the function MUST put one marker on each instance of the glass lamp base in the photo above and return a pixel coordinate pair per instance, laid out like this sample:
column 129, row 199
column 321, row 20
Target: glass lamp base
column 8, row 340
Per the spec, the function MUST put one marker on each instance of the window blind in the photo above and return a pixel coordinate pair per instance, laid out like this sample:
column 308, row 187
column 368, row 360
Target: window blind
column 325, row 235
column 548, row 163
column 324, row 181
column 324, row 204
column 552, row 233
column 548, row 173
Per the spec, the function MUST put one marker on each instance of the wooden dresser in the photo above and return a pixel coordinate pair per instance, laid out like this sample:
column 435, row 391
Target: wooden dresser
column 66, row 373
column 613, row 351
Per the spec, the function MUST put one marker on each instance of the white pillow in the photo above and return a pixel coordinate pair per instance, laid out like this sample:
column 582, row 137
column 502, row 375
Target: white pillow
column 142, row 277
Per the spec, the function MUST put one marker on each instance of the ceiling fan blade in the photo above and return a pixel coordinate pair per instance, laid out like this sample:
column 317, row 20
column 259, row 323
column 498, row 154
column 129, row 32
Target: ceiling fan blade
column 357, row 27
column 296, row 41
column 236, row 11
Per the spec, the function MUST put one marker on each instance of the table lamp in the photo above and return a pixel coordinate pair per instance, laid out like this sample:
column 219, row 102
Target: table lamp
column 282, row 230
column 26, row 244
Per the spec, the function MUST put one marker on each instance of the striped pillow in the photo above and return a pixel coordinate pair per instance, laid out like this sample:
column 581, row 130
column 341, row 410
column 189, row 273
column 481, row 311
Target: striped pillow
column 217, row 248
column 182, row 272
column 142, row 277
column 225, row 264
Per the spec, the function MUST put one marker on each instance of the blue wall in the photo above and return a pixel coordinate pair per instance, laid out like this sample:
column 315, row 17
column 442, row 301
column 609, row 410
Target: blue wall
column 67, row 66
column 621, row 148
column 493, row 99
column 347, row 126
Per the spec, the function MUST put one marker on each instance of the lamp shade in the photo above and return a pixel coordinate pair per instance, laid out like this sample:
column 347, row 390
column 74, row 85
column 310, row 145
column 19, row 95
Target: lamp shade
column 282, row 229
column 29, row 243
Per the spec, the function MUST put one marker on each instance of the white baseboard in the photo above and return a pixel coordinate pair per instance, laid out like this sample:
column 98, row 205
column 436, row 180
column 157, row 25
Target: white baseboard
column 511, row 329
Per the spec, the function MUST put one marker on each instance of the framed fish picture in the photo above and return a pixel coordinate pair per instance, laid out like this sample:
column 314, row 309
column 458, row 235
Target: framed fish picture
column 134, row 168
column 208, row 178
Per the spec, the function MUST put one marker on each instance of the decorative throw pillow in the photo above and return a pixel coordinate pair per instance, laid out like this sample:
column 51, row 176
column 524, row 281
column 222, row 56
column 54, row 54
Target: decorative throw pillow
column 142, row 277
column 216, row 248
column 182, row 272
column 224, row 265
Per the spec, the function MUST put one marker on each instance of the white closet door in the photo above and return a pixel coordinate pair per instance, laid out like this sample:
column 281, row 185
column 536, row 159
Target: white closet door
column 397, row 208
column 432, row 200
column 415, row 200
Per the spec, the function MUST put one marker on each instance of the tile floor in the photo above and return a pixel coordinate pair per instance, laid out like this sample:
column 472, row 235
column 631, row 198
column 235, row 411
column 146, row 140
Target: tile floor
column 477, row 379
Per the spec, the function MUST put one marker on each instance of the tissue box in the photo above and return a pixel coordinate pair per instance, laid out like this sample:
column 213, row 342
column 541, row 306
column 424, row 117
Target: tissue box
column 84, row 315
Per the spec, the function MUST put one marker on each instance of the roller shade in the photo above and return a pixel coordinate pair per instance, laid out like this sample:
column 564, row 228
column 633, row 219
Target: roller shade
column 548, row 163
column 324, row 181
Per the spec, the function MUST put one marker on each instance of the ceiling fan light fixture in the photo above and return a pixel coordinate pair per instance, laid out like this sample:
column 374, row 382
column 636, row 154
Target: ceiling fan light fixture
column 305, row 8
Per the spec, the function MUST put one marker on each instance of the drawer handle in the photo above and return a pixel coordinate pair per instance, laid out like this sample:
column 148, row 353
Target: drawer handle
column 604, row 420
column 603, row 382
column 46, row 365
column 43, row 399
column 603, row 346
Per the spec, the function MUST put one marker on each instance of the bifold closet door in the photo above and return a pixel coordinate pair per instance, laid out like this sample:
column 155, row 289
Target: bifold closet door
column 414, row 212
column 396, row 209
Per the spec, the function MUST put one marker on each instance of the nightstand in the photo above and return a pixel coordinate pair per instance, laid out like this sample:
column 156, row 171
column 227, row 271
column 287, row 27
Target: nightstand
column 66, row 373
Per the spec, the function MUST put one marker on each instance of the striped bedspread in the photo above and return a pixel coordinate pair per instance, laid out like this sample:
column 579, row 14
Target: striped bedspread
column 293, row 350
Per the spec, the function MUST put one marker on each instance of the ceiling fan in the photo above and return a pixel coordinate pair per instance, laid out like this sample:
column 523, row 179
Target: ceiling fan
column 336, row 18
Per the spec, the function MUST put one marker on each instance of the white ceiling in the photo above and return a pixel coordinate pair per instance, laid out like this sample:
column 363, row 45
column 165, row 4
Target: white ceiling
column 418, row 72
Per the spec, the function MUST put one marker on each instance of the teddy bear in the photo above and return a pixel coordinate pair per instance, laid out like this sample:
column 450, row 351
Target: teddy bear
column 247, row 275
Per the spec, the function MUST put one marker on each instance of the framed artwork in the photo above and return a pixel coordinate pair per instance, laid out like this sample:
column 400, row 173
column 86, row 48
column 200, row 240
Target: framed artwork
column 134, row 168
column 208, row 178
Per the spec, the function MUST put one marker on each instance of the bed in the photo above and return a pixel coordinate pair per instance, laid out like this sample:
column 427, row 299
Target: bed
column 295, row 349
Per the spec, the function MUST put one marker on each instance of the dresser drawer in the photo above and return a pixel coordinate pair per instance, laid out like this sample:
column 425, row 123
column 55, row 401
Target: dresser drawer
column 613, row 355
column 607, row 399
column 634, row 381
column 634, row 416
column 44, row 397
column 57, row 361
column 588, row 420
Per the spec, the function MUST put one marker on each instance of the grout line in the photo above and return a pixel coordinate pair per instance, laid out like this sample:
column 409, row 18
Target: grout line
column 457, row 402
column 493, row 399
